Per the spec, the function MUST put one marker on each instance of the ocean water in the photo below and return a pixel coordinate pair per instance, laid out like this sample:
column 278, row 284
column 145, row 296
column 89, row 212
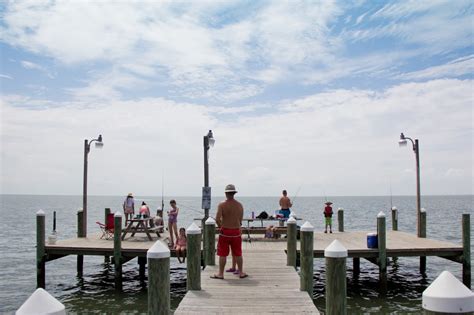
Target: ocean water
column 94, row 292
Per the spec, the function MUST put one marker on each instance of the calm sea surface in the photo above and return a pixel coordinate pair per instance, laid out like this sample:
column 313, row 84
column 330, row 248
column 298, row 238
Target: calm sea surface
column 94, row 292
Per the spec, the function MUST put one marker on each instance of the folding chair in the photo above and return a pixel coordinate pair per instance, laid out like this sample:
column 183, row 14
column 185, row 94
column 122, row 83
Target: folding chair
column 107, row 228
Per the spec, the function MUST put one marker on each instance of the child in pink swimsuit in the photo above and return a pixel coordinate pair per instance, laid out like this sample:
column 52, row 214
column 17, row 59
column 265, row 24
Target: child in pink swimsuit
column 181, row 245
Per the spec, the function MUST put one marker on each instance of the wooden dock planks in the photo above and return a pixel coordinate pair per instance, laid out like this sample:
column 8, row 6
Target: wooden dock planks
column 272, row 287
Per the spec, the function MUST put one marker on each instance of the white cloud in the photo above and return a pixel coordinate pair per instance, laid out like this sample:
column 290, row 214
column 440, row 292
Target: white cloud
column 6, row 76
column 34, row 66
column 455, row 68
column 328, row 141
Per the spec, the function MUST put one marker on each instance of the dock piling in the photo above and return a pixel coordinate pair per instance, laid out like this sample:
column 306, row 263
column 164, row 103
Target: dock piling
column 158, row 257
column 141, row 267
column 422, row 235
column 336, row 283
column 307, row 258
column 106, row 214
column 40, row 250
column 356, row 266
column 466, row 244
column 291, row 242
column 394, row 225
column 382, row 260
column 394, row 218
column 118, row 250
column 210, row 242
column 447, row 295
column 340, row 219
column 80, row 233
column 193, row 261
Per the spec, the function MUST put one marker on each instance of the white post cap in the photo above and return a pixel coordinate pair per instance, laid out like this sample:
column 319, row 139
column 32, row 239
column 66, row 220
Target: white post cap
column 292, row 214
column 80, row 210
column 381, row 215
column 193, row 229
column 335, row 250
column 448, row 295
column 291, row 220
column 210, row 221
column 307, row 227
column 340, row 209
column 158, row 250
column 423, row 210
column 41, row 302
column 394, row 208
column 118, row 214
column 40, row 213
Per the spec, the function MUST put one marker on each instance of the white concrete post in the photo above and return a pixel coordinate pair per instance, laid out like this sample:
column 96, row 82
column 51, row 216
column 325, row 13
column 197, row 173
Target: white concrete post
column 193, row 263
column 158, row 257
column 41, row 302
column 336, row 284
column 447, row 295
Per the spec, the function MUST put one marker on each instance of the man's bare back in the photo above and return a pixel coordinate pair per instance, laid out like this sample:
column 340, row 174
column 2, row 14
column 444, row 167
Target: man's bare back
column 230, row 214
column 285, row 203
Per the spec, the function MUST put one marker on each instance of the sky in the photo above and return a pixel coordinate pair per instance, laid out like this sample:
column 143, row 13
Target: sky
column 308, row 96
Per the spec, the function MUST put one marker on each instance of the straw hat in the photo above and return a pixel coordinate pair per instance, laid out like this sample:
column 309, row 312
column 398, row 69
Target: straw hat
column 230, row 188
column 130, row 195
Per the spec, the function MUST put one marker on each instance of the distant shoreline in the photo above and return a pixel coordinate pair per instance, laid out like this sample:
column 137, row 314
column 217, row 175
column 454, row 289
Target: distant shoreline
column 244, row 196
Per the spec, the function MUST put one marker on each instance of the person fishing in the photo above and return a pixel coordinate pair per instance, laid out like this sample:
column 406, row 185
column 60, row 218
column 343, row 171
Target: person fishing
column 285, row 205
column 328, row 216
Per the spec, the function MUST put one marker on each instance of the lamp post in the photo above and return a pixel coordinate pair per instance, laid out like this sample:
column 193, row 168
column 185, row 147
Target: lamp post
column 208, row 142
column 87, row 147
column 416, row 148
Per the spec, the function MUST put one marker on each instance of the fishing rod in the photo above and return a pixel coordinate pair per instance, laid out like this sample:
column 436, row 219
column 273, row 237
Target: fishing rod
column 296, row 195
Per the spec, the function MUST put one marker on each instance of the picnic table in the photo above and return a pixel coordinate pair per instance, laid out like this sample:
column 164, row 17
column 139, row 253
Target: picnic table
column 140, row 225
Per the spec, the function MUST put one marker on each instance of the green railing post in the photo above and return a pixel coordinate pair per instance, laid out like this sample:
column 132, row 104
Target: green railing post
column 466, row 244
column 291, row 242
column 336, row 286
column 40, row 250
column 340, row 219
column 210, row 242
column 381, row 236
column 193, row 253
column 307, row 257
column 158, row 279
column 118, row 250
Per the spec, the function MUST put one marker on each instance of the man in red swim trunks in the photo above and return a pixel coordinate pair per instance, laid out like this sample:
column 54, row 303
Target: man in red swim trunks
column 229, row 218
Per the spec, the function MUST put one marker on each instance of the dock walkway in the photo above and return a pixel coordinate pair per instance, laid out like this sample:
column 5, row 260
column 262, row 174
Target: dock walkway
column 272, row 287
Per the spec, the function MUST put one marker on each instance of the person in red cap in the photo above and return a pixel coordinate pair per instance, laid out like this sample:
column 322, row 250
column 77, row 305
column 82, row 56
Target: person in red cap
column 328, row 217
column 229, row 218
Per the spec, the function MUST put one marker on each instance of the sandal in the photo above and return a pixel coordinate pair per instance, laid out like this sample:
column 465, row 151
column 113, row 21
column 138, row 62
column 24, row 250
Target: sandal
column 231, row 270
column 217, row 277
column 243, row 275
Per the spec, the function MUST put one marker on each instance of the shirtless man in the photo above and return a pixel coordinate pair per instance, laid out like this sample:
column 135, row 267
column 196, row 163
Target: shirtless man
column 285, row 205
column 229, row 218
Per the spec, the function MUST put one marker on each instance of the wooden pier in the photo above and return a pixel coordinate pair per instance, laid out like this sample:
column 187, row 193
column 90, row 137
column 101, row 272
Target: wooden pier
column 272, row 287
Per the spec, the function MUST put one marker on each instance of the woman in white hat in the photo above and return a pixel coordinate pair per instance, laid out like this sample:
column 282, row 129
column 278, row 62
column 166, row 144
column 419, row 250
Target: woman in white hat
column 129, row 207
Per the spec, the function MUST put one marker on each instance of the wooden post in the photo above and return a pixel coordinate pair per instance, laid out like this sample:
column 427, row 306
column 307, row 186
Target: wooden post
column 158, row 279
column 447, row 295
column 193, row 261
column 54, row 221
column 118, row 250
column 394, row 219
column 210, row 242
column 356, row 266
column 394, row 225
column 336, row 286
column 80, row 233
column 141, row 267
column 291, row 242
column 106, row 214
column 381, row 235
column 340, row 219
column 307, row 256
column 466, row 244
column 422, row 235
column 40, row 251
